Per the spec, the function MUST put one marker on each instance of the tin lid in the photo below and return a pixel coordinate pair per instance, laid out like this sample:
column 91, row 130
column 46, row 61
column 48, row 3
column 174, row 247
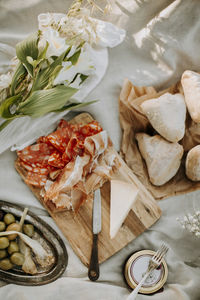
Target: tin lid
column 137, row 265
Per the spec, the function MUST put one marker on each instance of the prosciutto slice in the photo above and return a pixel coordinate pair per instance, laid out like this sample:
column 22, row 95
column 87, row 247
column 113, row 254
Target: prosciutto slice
column 81, row 177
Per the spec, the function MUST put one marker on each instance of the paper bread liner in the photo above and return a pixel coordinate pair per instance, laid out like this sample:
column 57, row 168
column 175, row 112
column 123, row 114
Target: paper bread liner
column 133, row 120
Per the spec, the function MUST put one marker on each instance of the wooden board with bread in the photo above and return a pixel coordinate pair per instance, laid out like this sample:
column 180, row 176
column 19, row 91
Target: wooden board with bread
column 71, row 208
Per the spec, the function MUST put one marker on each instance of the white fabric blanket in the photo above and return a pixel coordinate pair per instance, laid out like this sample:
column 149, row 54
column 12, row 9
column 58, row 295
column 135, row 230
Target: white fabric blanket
column 162, row 41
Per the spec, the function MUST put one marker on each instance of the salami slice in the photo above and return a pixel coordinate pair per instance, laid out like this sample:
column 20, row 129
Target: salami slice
column 90, row 128
column 63, row 124
column 69, row 151
column 36, row 179
column 52, row 152
column 37, row 154
column 60, row 138
column 25, row 165
column 56, row 160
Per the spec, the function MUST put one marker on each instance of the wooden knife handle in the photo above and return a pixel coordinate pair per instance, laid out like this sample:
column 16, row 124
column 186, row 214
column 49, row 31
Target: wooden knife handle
column 93, row 272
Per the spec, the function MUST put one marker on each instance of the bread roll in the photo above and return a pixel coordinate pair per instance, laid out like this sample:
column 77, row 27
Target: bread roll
column 191, row 86
column 167, row 115
column 162, row 158
column 192, row 164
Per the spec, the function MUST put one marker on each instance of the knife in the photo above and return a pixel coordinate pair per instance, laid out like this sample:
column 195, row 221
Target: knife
column 93, row 272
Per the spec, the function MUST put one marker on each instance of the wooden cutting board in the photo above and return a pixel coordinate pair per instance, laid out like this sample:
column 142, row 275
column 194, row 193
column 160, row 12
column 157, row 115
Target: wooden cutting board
column 78, row 228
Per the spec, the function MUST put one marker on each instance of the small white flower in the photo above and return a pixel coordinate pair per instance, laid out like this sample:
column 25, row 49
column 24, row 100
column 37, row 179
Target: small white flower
column 191, row 223
column 185, row 219
column 195, row 220
column 5, row 80
column 190, row 218
column 193, row 228
column 183, row 225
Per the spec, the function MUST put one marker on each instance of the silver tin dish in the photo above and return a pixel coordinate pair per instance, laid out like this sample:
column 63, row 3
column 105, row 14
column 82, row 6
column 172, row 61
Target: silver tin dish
column 49, row 239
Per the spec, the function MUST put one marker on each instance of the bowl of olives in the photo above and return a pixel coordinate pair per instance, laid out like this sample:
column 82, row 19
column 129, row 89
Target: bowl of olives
column 10, row 254
column 20, row 263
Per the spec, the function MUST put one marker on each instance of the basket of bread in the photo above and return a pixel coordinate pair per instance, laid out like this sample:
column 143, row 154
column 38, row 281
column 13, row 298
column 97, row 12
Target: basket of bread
column 161, row 135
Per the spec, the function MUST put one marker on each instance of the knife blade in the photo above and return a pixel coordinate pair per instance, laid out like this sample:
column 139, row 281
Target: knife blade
column 93, row 272
column 96, row 220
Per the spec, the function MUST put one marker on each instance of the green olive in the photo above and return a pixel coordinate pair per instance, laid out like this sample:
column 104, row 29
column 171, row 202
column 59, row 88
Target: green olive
column 28, row 229
column 5, row 264
column 11, row 227
column 3, row 253
column 13, row 247
column 4, row 242
column 17, row 258
column 2, row 226
column 9, row 218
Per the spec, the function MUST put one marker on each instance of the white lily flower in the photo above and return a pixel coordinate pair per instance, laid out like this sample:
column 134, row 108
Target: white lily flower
column 84, row 66
column 5, row 80
column 57, row 44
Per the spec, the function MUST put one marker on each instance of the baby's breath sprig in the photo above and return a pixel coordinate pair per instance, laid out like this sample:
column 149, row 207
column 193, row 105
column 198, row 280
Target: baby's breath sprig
column 191, row 223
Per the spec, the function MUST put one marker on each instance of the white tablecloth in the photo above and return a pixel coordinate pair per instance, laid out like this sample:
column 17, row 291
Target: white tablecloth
column 162, row 41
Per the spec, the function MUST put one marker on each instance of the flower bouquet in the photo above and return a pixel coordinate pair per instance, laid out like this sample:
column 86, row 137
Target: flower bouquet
column 54, row 70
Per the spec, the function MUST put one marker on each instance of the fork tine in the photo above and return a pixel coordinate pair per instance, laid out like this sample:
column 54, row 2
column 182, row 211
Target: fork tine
column 160, row 253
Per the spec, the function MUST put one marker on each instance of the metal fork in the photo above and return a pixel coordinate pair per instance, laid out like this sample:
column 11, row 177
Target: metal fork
column 153, row 264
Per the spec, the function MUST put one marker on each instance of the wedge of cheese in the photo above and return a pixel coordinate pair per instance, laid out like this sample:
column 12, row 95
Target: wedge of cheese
column 123, row 196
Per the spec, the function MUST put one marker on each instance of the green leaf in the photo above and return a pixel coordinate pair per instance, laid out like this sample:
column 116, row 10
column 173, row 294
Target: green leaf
column 43, row 76
column 74, row 58
column 74, row 105
column 44, row 101
column 28, row 48
column 42, row 54
column 4, row 124
column 83, row 77
column 53, row 76
column 30, row 60
column 18, row 76
column 7, row 105
column 41, row 58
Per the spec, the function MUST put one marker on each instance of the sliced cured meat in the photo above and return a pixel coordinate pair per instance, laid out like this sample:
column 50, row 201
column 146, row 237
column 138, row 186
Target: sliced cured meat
column 35, row 154
column 80, row 177
column 41, row 171
column 62, row 124
column 96, row 144
column 36, row 179
column 26, row 166
column 54, row 174
column 74, row 147
column 34, row 169
column 71, row 175
column 56, row 160
column 59, row 139
column 42, row 139
column 67, row 159
column 90, row 128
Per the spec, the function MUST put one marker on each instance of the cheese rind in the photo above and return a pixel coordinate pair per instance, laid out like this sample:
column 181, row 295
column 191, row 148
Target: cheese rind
column 123, row 196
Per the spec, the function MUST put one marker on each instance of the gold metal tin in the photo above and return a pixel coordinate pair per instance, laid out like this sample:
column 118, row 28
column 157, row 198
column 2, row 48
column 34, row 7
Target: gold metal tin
column 131, row 272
